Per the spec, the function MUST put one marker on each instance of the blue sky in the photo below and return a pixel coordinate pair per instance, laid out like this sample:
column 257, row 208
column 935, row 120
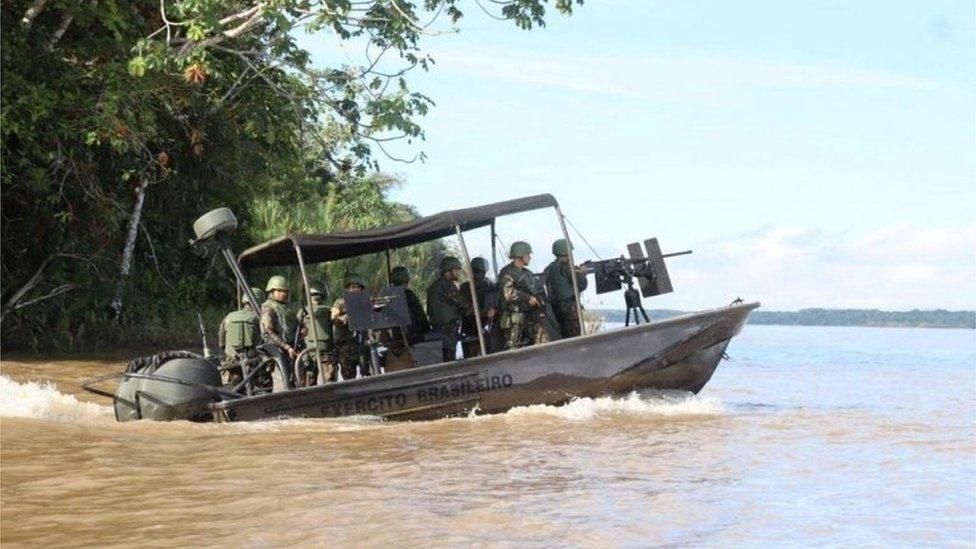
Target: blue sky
column 812, row 154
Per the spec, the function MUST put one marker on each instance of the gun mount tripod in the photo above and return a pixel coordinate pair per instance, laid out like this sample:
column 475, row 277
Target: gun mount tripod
column 632, row 298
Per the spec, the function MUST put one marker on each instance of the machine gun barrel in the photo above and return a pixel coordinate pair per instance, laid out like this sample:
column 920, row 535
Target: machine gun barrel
column 591, row 266
column 650, row 272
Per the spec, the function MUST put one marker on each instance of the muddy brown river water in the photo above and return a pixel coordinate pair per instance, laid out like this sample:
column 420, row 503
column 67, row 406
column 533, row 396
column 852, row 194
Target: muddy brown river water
column 809, row 436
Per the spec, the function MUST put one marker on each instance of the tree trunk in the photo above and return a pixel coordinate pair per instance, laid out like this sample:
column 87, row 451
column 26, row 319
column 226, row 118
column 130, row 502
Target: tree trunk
column 33, row 11
column 130, row 246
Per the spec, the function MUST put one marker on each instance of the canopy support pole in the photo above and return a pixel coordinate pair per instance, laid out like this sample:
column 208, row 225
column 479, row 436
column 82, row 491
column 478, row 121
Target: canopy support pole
column 572, row 270
column 494, row 255
column 474, row 295
column 389, row 269
column 311, row 308
column 224, row 244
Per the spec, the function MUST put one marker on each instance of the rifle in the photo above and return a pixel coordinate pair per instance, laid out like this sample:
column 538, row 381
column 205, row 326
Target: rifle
column 297, row 341
column 544, row 313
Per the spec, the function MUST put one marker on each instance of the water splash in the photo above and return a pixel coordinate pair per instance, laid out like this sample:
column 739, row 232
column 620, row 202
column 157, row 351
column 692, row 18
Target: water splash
column 41, row 400
column 663, row 403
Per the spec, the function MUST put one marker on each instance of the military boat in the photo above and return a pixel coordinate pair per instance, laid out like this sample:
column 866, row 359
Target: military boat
column 678, row 353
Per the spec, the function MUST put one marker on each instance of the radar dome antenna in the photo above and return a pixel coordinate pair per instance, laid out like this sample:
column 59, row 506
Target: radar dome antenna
column 218, row 226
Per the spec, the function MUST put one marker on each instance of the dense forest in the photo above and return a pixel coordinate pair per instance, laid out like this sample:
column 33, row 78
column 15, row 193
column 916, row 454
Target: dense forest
column 936, row 318
column 122, row 121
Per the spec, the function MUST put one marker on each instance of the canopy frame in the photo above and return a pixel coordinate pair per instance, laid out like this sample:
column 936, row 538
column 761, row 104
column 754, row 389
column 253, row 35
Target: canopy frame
column 302, row 249
column 321, row 248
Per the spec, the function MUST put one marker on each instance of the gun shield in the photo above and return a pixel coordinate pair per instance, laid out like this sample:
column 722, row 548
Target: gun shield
column 660, row 283
column 388, row 309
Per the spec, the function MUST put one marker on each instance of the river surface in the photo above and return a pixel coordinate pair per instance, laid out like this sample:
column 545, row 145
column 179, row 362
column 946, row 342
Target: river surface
column 808, row 436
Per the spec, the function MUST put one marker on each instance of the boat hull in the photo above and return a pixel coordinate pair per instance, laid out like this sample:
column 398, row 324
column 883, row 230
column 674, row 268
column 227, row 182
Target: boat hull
column 679, row 353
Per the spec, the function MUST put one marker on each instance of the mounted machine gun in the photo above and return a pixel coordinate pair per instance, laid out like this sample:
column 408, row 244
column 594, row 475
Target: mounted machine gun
column 650, row 272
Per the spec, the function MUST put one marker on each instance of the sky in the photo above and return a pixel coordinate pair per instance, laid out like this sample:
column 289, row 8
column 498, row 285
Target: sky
column 812, row 154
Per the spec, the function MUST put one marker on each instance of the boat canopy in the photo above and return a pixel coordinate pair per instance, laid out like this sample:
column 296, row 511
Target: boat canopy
column 317, row 248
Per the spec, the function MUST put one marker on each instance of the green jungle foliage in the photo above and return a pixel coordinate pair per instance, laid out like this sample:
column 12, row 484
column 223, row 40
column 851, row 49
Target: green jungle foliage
column 191, row 104
column 937, row 318
column 353, row 205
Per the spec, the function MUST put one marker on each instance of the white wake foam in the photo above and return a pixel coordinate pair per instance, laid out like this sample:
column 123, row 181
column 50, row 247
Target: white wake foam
column 648, row 404
column 43, row 401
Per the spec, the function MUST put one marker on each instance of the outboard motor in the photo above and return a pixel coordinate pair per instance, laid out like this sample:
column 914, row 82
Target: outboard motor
column 179, row 385
column 164, row 390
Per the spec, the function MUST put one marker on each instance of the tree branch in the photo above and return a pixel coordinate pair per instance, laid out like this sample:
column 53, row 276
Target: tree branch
column 64, row 288
column 152, row 250
column 255, row 18
column 14, row 302
column 241, row 15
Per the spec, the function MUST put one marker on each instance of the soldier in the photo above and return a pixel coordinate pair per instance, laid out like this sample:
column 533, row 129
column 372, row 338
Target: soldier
column 483, row 289
column 275, row 325
column 345, row 339
column 519, row 301
column 238, row 335
column 559, row 286
column 419, row 324
column 316, row 329
column 446, row 305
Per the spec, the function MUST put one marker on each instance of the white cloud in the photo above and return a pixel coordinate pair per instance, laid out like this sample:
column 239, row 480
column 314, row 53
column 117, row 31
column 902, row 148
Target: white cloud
column 894, row 268
column 530, row 69
column 667, row 77
column 790, row 268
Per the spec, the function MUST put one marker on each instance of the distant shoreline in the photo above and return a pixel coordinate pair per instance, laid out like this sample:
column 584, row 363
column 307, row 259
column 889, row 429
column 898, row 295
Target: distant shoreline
column 937, row 318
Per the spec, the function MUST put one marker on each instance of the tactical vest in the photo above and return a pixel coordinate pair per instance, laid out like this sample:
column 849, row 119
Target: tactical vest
column 559, row 282
column 318, row 324
column 242, row 329
column 440, row 312
column 524, row 281
column 284, row 328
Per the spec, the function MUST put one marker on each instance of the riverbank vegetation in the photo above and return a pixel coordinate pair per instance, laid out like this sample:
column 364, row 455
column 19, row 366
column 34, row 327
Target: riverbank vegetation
column 121, row 122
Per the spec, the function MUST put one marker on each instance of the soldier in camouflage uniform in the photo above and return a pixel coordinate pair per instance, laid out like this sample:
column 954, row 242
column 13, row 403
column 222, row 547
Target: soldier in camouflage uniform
column 419, row 324
column 345, row 339
column 517, row 297
column 446, row 306
column 559, row 287
column 239, row 333
column 316, row 322
column 483, row 288
column 276, row 326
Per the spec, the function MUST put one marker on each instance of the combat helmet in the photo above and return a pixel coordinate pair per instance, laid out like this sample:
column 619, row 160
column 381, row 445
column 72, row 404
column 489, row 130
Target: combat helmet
column 449, row 263
column 277, row 282
column 258, row 293
column 354, row 278
column 315, row 289
column 519, row 249
column 400, row 275
column 479, row 265
column 560, row 247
